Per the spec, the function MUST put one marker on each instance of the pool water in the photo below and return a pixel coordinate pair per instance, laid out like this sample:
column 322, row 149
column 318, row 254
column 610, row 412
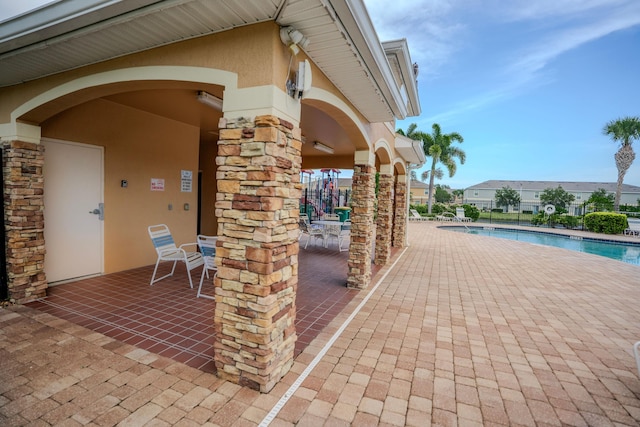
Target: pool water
column 625, row 252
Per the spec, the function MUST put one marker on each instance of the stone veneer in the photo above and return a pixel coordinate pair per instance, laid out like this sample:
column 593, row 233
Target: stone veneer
column 257, row 206
column 400, row 218
column 362, row 202
column 24, row 220
column 384, row 221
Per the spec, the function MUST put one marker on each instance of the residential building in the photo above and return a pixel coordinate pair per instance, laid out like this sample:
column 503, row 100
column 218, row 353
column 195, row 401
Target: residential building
column 419, row 192
column 482, row 195
column 200, row 114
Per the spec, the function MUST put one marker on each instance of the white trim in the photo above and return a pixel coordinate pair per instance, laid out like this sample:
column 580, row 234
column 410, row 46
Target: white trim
column 328, row 97
column 176, row 73
column 364, row 157
column 17, row 131
column 261, row 100
column 383, row 144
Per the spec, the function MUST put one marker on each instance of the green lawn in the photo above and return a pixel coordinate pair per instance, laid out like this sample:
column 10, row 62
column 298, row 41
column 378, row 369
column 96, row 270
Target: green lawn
column 505, row 217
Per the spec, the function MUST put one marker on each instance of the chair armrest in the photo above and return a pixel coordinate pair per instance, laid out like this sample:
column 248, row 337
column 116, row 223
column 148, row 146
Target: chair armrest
column 188, row 244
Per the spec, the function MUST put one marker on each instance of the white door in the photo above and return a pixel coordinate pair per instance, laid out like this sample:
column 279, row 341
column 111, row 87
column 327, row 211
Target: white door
column 73, row 214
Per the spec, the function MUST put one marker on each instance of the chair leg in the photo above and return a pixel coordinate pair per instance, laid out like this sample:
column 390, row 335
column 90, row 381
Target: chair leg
column 200, row 294
column 155, row 270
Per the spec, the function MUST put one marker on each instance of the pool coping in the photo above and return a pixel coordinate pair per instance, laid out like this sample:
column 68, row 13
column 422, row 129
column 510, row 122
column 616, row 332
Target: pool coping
column 571, row 234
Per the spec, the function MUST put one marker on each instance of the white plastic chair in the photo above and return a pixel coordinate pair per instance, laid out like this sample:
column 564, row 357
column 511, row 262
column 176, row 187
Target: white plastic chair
column 340, row 232
column 309, row 231
column 634, row 227
column 168, row 251
column 415, row 216
column 207, row 245
column 460, row 215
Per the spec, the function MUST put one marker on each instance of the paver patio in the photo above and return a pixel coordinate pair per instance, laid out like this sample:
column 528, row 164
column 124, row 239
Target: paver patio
column 463, row 330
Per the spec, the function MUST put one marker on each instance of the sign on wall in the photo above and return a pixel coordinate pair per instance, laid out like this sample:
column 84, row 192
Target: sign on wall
column 186, row 181
column 157, row 184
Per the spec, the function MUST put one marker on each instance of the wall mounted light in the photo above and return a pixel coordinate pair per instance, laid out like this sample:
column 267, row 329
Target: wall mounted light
column 320, row 146
column 293, row 39
column 210, row 100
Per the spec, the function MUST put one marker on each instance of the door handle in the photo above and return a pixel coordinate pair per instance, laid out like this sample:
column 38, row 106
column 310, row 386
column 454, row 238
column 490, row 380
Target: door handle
column 99, row 211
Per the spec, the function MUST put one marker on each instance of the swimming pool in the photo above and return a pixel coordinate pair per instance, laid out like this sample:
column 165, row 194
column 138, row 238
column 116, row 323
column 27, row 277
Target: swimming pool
column 625, row 252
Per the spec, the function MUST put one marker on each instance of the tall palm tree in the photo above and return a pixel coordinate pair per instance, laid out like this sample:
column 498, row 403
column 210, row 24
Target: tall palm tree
column 439, row 147
column 623, row 130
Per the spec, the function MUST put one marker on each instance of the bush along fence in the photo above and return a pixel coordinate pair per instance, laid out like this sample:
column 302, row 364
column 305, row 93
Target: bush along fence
column 572, row 216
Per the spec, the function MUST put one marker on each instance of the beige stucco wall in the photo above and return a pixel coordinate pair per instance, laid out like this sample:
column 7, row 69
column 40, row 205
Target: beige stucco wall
column 138, row 146
column 247, row 51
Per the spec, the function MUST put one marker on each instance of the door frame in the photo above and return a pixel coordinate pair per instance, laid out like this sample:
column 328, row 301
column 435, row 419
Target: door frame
column 101, row 191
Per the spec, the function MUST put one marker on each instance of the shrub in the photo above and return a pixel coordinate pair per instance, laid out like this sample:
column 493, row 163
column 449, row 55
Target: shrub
column 569, row 221
column 471, row 212
column 497, row 210
column 605, row 222
column 439, row 208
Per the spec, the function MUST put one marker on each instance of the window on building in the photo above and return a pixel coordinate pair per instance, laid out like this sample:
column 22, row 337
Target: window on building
column 475, row 193
column 536, row 194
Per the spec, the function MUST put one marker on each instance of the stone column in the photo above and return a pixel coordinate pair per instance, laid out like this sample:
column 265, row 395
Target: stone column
column 259, row 188
column 24, row 220
column 384, row 221
column 362, row 201
column 400, row 217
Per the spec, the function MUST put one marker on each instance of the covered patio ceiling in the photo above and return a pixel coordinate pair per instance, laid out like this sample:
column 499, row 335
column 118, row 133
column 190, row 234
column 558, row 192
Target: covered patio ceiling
column 69, row 34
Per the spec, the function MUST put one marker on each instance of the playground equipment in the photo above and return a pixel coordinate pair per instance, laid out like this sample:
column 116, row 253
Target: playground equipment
column 322, row 196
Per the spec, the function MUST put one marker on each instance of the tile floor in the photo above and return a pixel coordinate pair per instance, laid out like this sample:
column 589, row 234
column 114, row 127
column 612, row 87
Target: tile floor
column 167, row 319
column 463, row 330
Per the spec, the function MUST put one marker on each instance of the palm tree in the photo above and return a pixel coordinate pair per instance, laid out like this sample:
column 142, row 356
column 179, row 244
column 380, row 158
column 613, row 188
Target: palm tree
column 438, row 146
column 623, row 130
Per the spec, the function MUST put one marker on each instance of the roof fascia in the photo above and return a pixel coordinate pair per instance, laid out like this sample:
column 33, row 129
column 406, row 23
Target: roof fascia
column 61, row 17
column 400, row 49
column 356, row 21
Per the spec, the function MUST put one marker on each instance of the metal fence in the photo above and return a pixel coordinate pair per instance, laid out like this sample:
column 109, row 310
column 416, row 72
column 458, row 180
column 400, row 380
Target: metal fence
column 529, row 214
column 315, row 203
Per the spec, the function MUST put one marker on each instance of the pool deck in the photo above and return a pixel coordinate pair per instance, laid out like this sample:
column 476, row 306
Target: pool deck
column 463, row 330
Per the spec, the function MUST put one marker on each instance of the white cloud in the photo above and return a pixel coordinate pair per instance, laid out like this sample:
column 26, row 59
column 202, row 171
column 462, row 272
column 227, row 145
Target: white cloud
column 433, row 36
column 553, row 44
column 526, row 10
column 438, row 33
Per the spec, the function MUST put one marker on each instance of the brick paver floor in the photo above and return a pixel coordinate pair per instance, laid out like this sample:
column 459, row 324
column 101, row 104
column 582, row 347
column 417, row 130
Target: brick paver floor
column 464, row 330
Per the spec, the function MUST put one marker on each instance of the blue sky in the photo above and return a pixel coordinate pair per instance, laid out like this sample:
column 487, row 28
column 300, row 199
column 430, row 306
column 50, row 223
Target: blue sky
column 529, row 84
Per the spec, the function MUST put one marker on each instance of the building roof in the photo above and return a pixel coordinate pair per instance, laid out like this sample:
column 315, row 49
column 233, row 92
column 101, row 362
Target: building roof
column 418, row 184
column 70, row 34
column 571, row 186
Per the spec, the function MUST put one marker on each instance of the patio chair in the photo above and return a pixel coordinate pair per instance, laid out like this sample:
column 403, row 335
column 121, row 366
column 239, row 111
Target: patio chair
column 168, row 251
column 634, row 227
column 207, row 245
column 415, row 216
column 340, row 232
column 310, row 231
column 446, row 216
column 460, row 215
